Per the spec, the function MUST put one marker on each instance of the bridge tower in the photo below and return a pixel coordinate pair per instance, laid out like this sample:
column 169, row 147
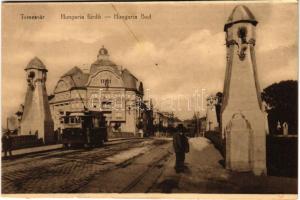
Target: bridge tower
column 242, row 117
column 36, row 117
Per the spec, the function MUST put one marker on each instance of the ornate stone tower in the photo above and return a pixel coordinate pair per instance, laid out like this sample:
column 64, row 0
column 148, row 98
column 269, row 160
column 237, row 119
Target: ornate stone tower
column 242, row 119
column 36, row 117
column 211, row 115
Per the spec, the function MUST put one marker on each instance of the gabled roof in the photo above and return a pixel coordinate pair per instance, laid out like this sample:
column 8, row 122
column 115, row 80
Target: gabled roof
column 81, row 80
column 75, row 78
column 130, row 81
column 240, row 13
column 36, row 63
column 73, row 71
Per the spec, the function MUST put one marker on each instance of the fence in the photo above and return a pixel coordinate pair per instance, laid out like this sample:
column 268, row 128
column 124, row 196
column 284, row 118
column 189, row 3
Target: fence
column 217, row 140
column 281, row 153
column 23, row 141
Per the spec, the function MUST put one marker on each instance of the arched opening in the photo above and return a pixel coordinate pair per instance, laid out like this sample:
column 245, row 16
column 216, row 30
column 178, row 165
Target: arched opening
column 242, row 33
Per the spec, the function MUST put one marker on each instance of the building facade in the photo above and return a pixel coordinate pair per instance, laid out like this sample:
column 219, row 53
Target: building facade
column 107, row 88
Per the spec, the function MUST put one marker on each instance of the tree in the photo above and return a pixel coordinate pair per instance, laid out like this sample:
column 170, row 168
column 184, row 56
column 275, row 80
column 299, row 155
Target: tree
column 282, row 105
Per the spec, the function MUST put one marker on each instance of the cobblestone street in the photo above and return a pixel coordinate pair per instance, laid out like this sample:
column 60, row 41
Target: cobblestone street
column 133, row 166
column 68, row 171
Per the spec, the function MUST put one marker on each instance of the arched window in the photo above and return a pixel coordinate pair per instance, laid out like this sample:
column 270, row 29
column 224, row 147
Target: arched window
column 242, row 33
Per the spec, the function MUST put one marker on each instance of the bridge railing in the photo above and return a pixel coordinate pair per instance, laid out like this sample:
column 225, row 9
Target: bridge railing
column 24, row 141
column 217, row 140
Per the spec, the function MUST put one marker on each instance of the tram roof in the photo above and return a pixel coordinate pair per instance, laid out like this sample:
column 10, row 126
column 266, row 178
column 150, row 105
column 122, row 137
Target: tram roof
column 84, row 113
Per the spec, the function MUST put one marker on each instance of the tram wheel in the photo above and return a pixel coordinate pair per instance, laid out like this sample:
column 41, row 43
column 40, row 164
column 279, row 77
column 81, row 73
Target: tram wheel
column 66, row 146
column 99, row 144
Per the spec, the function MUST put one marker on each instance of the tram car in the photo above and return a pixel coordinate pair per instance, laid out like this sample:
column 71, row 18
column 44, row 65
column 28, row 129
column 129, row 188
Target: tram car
column 86, row 129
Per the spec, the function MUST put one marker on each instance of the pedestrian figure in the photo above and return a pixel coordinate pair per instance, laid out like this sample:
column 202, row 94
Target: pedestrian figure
column 140, row 128
column 7, row 144
column 285, row 127
column 141, row 132
column 181, row 147
column 278, row 128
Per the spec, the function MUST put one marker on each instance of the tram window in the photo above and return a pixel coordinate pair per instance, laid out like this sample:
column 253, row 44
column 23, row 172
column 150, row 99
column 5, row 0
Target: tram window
column 95, row 122
column 66, row 120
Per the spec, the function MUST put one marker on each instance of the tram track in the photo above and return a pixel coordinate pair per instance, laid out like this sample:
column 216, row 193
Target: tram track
column 156, row 164
column 62, row 152
column 31, row 175
column 118, row 171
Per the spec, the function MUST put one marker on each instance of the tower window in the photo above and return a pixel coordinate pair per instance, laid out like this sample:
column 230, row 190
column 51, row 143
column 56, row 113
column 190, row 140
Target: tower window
column 31, row 75
column 242, row 33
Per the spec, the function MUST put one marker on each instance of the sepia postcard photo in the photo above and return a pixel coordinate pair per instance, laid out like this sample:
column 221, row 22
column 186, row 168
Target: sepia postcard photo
column 158, row 99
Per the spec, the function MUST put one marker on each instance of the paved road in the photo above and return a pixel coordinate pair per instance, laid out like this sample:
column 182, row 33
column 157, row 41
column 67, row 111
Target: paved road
column 78, row 170
column 134, row 166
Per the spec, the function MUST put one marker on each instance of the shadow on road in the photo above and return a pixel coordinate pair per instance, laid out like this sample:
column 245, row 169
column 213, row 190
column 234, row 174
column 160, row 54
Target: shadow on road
column 222, row 163
column 169, row 184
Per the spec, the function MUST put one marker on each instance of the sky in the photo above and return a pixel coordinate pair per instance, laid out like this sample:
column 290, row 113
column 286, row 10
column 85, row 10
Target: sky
column 179, row 52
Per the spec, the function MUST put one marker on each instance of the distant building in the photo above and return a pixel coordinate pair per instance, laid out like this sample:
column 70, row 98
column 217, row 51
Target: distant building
column 12, row 123
column 190, row 126
column 202, row 122
column 176, row 122
column 107, row 88
column 165, row 119
column 147, row 117
column 211, row 115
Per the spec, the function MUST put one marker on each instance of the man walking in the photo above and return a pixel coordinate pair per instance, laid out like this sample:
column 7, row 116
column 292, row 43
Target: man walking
column 7, row 144
column 181, row 147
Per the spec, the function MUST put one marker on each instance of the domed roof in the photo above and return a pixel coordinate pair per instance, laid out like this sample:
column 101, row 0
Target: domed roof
column 103, row 51
column 240, row 13
column 99, row 64
column 103, row 61
column 36, row 63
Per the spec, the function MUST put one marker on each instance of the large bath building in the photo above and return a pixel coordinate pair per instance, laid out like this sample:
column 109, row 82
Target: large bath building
column 105, row 87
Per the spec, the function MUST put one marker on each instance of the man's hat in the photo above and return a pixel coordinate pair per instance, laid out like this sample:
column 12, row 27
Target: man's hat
column 180, row 127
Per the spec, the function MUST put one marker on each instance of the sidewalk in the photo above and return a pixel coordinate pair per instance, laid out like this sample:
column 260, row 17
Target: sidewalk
column 206, row 174
column 24, row 151
column 19, row 152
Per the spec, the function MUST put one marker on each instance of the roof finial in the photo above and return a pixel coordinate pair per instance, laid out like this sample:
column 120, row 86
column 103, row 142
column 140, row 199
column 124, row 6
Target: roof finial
column 103, row 53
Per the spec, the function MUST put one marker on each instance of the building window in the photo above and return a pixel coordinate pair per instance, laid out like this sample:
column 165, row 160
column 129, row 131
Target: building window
column 106, row 105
